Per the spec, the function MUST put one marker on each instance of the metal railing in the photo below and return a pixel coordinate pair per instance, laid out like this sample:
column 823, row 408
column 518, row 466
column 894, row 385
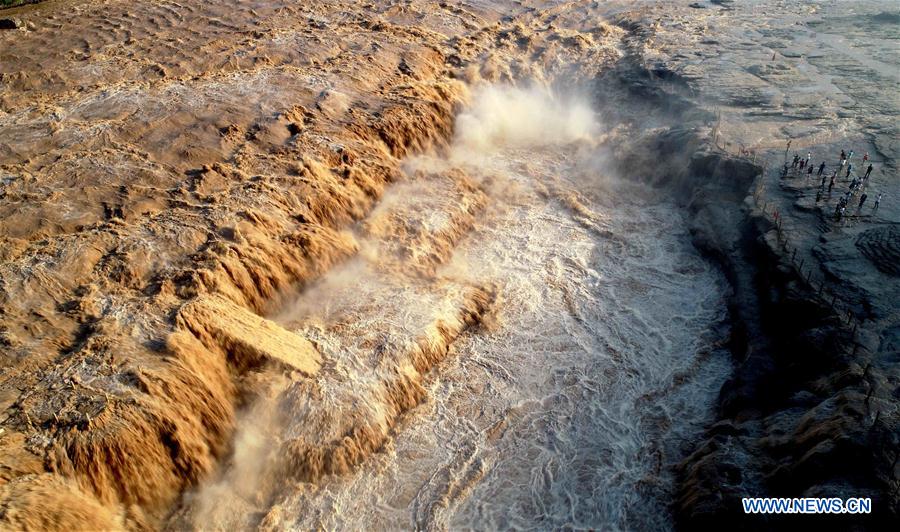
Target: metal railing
column 817, row 282
column 818, row 285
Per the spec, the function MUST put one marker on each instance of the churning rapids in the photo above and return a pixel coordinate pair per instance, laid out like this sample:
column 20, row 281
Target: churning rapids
column 599, row 362
column 271, row 265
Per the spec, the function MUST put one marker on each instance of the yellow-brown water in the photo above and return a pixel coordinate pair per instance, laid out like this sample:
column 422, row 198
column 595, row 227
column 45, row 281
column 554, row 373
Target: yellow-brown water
column 594, row 364
column 256, row 272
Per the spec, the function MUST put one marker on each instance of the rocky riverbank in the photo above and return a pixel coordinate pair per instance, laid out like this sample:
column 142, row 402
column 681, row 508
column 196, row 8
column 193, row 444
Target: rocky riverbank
column 811, row 410
column 171, row 174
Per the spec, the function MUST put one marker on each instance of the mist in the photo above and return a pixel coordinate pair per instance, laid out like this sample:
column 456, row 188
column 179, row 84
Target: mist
column 506, row 116
column 435, row 207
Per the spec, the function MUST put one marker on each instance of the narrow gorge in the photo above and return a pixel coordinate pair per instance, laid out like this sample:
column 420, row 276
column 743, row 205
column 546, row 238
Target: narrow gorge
column 401, row 265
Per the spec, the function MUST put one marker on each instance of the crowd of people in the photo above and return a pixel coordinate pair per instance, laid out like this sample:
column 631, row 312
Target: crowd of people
column 800, row 165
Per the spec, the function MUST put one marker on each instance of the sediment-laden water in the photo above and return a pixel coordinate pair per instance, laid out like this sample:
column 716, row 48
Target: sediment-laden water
column 601, row 361
column 499, row 334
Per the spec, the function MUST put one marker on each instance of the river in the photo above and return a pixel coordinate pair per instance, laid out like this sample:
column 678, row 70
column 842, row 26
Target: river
column 602, row 361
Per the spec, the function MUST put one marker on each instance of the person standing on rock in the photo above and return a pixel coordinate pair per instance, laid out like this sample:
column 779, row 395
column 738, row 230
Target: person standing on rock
column 796, row 161
column 862, row 199
column 877, row 202
column 849, row 156
column 808, row 158
column 843, row 162
column 868, row 172
column 831, row 184
column 849, row 168
column 824, row 178
column 822, row 170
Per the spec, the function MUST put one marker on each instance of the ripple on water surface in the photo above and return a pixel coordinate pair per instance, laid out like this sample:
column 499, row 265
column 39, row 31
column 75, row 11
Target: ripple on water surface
column 603, row 364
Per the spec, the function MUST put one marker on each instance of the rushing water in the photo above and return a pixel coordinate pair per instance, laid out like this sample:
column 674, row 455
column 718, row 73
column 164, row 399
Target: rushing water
column 603, row 364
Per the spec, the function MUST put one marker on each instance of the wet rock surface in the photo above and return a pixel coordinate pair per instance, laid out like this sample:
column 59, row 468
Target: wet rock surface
column 812, row 407
column 158, row 156
column 882, row 246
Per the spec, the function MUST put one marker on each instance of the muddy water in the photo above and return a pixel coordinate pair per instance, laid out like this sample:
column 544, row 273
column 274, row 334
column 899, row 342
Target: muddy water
column 600, row 365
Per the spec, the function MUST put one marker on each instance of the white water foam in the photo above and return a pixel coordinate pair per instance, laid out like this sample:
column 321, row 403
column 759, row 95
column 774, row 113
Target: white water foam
column 571, row 411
